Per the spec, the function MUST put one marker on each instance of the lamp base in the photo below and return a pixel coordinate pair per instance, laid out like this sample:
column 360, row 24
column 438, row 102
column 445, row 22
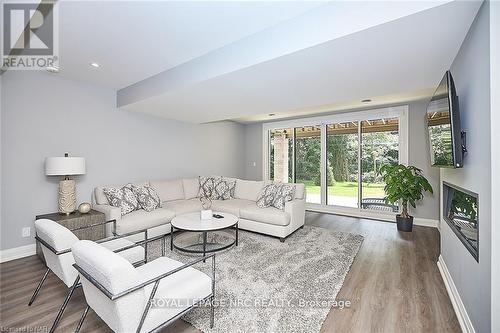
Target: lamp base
column 67, row 196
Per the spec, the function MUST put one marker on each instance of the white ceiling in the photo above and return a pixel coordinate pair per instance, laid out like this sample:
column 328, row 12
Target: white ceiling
column 208, row 61
column 133, row 40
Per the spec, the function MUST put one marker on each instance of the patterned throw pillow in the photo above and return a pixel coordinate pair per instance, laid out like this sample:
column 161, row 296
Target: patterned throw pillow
column 286, row 192
column 124, row 198
column 223, row 189
column 267, row 195
column 276, row 195
column 207, row 185
column 147, row 197
column 232, row 187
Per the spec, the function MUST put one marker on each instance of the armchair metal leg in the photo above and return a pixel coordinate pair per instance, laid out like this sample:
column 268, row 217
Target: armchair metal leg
column 64, row 305
column 212, row 303
column 80, row 322
column 212, row 308
column 39, row 287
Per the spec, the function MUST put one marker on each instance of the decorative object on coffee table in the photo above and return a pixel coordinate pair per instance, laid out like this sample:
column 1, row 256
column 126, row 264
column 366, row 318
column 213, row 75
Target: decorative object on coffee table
column 77, row 220
column 206, row 202
column 84, row 208
column 65, row 166
column 404, row 184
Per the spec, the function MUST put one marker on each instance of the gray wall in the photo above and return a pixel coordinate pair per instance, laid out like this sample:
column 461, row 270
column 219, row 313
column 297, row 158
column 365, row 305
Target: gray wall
column 253, row 151
column 47, row 115
column 418, row 156
column 495, row 156
column 471, row 73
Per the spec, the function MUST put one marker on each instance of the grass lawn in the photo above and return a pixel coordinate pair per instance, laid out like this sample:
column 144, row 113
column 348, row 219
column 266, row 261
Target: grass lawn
column 347, row 189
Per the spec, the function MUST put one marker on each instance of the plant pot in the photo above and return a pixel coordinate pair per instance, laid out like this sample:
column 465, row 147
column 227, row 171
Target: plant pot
column 404, row 223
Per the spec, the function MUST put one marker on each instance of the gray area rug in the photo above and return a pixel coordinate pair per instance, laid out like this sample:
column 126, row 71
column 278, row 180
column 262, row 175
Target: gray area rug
column 263, row 285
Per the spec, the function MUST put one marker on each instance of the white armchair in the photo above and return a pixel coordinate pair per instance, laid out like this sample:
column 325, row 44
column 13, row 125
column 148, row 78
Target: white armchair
column 56, row 241
column 122, row 296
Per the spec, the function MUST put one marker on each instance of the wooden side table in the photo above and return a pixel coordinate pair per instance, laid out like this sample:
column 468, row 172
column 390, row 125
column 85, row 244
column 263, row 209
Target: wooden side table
column 77, row 220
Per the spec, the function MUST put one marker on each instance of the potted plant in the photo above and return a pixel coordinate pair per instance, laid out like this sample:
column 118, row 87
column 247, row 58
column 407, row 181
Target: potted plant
column 404, row 184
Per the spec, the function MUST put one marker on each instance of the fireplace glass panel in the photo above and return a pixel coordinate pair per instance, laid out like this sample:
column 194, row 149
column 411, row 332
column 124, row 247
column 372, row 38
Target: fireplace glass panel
column 461, row 214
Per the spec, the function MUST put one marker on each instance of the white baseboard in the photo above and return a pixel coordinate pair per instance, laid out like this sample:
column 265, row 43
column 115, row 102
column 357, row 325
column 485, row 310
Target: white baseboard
column 17, row 252
column 382, row 216
column 426, row 222
column 456, row 301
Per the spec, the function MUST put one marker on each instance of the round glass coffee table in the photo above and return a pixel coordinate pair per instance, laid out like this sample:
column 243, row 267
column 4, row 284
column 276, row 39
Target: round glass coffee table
column 192, row 223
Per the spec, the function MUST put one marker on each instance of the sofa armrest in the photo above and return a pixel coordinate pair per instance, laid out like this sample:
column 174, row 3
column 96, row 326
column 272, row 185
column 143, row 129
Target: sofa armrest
column 297, row 211
column 111, row 213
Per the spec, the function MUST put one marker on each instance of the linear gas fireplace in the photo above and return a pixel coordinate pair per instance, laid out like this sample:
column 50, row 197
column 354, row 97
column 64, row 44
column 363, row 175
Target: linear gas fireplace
column 461, row 213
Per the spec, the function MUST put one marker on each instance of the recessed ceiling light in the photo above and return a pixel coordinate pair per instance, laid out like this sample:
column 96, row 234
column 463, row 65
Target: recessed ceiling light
column 52, row 69
column 366, row 100
column 95, row 64
column 271, row 114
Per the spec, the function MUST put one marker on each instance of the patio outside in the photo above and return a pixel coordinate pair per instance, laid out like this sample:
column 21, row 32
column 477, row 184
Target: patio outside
column 379, row 145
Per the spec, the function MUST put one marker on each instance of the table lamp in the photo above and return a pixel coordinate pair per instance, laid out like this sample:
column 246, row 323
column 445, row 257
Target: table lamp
column 65, row 166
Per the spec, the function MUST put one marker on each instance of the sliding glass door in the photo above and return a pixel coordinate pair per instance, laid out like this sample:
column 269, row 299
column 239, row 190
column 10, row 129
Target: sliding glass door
column 308, row 161
column 342, row 150
column 379, row 146
column 339, row 157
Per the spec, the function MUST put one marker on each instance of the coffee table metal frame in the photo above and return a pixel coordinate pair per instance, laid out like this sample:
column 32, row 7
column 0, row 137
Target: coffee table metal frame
column 204, row 243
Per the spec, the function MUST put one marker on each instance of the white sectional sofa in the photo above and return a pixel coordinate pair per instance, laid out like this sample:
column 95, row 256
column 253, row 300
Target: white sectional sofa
column 181, row 196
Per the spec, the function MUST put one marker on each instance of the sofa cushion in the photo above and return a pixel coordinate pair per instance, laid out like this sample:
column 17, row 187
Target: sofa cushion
column 183, row 206
column 269, row 215
column 140, row 219
column 232, row 206
column 100, row 197
column 248, row 189
column 169, row 190
column 191, row 188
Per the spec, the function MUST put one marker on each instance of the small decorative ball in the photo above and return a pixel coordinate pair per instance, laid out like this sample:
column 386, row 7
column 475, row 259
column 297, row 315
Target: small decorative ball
column 84, row 208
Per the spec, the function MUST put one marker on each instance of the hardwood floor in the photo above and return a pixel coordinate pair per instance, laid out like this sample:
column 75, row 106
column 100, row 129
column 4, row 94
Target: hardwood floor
column 394, row 286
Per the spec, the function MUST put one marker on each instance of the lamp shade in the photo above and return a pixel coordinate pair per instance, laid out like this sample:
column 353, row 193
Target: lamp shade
column 64, row 166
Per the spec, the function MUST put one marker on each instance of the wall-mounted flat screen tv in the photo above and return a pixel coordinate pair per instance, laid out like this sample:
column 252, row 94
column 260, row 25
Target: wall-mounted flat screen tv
column 443, row 123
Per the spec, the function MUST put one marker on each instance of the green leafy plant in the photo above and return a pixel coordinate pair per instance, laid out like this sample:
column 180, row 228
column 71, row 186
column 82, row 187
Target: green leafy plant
column 405, row 184
column 464, row 204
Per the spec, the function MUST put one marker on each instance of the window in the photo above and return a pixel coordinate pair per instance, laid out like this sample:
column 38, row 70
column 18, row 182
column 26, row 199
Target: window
column 338, row 157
